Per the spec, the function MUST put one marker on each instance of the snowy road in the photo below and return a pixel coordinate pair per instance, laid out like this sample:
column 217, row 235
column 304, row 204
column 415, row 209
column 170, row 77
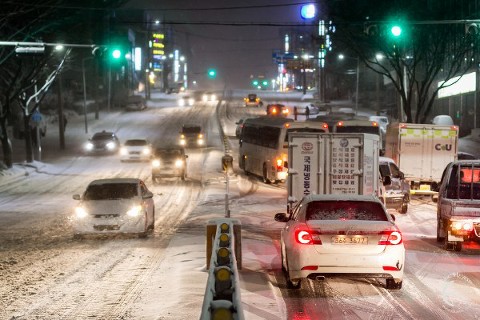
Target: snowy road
column 46, row 274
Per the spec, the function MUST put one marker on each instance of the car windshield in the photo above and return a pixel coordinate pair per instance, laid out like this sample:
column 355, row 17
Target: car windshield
column 168, row 153
column 111, row 191
column 191, row 129
column 345, row 210
column 135, row 143
column 102, row 136
column 252, row 96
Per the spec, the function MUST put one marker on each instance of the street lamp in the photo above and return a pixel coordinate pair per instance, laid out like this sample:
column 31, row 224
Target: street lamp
column 85, row 92
column 342, row 57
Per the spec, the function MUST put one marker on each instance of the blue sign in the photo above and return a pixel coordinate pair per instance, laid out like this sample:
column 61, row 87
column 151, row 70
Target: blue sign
column 36, row 116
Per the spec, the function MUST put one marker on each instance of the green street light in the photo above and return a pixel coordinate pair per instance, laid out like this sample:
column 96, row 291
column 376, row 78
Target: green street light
column 116, row 54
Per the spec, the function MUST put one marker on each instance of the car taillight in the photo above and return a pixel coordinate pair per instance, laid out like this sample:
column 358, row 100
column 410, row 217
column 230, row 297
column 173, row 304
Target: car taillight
column 303, row 236
column 274, row 111
column 390, row 237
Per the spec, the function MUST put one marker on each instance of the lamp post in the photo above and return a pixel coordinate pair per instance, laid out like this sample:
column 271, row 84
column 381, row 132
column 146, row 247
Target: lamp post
column 342, row 57
column 85, row 92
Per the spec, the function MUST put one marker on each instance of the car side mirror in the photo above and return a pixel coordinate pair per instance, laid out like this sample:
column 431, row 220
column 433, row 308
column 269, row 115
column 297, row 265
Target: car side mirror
column 147, row 195
column 76, row 197
column 281, row 217
column 401, row 175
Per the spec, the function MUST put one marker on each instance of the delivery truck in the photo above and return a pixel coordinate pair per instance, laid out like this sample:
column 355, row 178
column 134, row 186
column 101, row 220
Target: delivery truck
column 422, row 151
column 332, row 163
column 458, row 204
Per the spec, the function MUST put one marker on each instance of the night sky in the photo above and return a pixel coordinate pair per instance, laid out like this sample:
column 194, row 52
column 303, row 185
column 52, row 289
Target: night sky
column 237, row 52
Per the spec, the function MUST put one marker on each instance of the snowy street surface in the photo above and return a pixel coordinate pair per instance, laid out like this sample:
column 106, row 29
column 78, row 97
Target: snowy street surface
column 45, row 273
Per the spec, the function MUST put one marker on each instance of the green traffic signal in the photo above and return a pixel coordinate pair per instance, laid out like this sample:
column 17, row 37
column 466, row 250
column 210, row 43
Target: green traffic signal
column 255, row 82
column 212, row 73
column 396, row 31
column 116, row 54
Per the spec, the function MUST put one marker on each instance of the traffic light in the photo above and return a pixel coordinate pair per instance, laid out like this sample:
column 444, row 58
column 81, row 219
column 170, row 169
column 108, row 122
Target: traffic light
column 255, row 83
column 396, row 30
column 212, row 73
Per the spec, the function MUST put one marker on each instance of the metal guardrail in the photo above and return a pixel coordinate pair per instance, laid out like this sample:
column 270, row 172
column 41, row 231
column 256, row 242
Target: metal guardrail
column 222, row 295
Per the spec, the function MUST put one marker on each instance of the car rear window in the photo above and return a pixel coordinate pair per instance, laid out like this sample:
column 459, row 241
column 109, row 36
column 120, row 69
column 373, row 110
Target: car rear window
column 345, row 210
column 111, row 191
column 168, row 153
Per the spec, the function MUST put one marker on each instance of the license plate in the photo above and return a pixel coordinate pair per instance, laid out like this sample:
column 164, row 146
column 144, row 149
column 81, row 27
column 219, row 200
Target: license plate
column 425, row 187
column 349, row 240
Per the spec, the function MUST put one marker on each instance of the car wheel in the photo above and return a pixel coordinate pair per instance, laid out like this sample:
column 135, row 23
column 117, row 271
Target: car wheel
column 392, row 285
column 183, row 176
column 404, row 207
column 290, row 284
column 457, row 246
column 152, row 225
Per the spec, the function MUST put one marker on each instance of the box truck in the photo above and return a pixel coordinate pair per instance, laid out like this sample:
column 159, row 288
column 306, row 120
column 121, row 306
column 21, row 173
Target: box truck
column 422, row 151
column 332, row 163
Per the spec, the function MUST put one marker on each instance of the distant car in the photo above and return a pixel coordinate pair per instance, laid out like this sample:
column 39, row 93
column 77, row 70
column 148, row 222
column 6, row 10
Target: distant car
column 102, row 142
column 186, row 101
column 252, row 100
column 209, row 96
column 382, row 122
column 443, row 119
column 335, row 235
column 238, row 129
column 118, row 205
column 136, row 103
column 277, row 110
column 192, row 136
column 396, row 195
column 169, row 162
column 136, row 150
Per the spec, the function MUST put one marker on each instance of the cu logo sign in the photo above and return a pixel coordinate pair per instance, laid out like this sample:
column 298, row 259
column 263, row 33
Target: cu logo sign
column 307, row 146
column 440, row 147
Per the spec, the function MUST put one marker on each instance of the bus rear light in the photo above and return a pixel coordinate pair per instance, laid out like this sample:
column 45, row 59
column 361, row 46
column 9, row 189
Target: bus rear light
column 279, row 163
column 463, row 226
column 340, row 123
column 310, row 268
column 390, row 268
column 374, row 123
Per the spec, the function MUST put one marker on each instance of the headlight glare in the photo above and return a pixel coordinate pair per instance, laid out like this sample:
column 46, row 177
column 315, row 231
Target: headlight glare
column 80, row 212
column 178, row 163
column 156, row 163
column 135, row 211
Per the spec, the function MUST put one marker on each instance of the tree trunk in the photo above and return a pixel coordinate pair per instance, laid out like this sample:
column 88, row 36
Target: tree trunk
column 28, row 139
column 6, row 146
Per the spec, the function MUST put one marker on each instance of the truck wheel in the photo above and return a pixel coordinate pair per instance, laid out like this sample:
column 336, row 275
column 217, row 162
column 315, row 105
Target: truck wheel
column 404, row 207
column 457, row 246
column 440, row 238
column 265, row 174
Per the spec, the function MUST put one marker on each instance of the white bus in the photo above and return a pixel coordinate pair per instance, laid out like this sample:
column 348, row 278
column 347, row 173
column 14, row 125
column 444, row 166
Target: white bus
column 264, row 145
column 361, row 126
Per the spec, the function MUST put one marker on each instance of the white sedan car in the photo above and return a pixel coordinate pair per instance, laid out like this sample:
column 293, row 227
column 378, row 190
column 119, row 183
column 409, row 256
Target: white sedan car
column 119, row 205
column 136, row 150
column 341, row 235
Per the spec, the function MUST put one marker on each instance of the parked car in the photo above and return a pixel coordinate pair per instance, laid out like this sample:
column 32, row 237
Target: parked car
column 335, row 235
column 192, row 136
column 136, row 150
column 117, row 205
column 458, row 204
column 169, row 162
column 252, row 100
column 102, row 142
column 277, row 110
column 136, row 103
column 395, row 195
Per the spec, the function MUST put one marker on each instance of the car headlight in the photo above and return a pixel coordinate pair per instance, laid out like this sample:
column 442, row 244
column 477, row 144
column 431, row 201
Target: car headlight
column 89, row 146
column 214, row 97
column 200, row 136
column 181, row 102
column 178, row 163
column 183, row 142
column 111, row 145
column 80, row 212
column 123, row 151
column 191, row 102
column 205, row 98
column 146, row 151
column 135, row 211
column 156, row 163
